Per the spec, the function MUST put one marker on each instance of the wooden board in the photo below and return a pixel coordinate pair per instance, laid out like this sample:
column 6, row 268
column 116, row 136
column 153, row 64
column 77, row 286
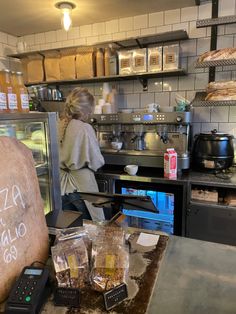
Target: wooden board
column 23, row 230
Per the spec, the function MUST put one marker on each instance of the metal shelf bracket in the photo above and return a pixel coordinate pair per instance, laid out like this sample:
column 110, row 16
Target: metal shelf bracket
column 144, row 82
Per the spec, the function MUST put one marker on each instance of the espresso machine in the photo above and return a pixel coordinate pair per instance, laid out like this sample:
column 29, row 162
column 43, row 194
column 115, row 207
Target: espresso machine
column 144, row 137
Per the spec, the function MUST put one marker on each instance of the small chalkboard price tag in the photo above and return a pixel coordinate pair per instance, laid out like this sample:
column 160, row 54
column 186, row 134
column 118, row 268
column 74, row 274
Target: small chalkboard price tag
column 114, row 296
column 67, row 297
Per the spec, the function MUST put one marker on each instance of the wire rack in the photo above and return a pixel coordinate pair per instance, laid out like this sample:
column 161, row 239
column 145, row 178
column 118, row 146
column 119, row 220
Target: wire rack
column 216, row 21
column 215, row 63
column 199, row 101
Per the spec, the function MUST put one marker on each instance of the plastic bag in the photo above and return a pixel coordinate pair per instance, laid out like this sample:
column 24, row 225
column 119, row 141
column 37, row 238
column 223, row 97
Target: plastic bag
column 75, row 233
column 71, row 263
column 110, row 259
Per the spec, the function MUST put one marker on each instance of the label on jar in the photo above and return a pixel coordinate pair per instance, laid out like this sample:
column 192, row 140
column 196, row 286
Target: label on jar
column 154, row 60
column 12, row 101
column 24, row 101
column 170, row 58
column 3, row 101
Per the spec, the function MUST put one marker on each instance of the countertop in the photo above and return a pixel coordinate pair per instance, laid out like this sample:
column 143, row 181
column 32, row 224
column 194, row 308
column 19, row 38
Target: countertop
column 226, row 178
column 195, row 277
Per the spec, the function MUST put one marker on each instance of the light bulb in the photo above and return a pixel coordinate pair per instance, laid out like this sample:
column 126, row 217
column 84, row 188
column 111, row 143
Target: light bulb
column 66, row 19
column 66, row 8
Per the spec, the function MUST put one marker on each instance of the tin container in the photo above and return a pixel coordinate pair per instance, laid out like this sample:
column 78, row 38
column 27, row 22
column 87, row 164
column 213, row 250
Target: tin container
column 139, row 60
column 125, row 62
column 171, row 60
column 154, row 59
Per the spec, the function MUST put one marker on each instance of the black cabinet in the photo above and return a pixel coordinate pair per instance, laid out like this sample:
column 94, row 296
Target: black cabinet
column 209, row 221
column 212, row 223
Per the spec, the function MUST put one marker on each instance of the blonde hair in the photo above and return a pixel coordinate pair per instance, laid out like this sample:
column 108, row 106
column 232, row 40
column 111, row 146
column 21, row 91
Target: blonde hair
column 79, row 105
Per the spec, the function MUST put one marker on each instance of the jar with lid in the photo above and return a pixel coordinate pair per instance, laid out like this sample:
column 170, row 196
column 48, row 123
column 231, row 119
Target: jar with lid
column 110, row 60
column 10, row 91
column 3, row 97
column 21, row 92
column 100, row 62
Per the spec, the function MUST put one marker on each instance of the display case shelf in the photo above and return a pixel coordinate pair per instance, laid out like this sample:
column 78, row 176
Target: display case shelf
column 216, row 21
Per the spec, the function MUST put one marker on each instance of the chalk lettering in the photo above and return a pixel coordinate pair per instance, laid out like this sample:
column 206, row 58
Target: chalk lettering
column 2, row 222
column 5, row 195
column 10, row 254
column 8, row 236
column 15, row 200
column 16, row 195
column 21, row 230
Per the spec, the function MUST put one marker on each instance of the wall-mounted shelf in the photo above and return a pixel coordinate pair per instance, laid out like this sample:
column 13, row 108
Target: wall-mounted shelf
column 139, row 42
column 199, row 2
column 216, row 21
column 199, row 101
column 215, row 63
column 141, row 77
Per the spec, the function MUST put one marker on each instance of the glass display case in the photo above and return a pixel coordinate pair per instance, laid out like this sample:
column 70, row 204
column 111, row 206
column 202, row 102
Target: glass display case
column 38, row 131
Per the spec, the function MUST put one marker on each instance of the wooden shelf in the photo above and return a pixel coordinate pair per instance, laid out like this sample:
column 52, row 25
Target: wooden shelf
column 141, row 77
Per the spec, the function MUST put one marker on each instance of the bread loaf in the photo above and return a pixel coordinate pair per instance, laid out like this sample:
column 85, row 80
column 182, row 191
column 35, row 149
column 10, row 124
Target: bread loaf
column 222, row 54
column 222, row 95
column 213, row 86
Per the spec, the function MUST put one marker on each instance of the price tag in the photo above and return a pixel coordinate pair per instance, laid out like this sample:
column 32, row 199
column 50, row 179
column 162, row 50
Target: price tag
column 67, row 297
column 114, row 296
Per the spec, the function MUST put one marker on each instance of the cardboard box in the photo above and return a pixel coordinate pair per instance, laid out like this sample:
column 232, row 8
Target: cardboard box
column 170, row 164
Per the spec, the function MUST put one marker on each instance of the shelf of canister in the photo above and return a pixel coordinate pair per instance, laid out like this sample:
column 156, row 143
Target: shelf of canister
column 230, row 19
column 137, row 42
column 199, row 101
column 133, row 76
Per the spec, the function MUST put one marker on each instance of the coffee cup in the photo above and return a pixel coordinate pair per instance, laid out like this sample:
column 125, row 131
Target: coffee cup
column 131, row 169
column 152, row 107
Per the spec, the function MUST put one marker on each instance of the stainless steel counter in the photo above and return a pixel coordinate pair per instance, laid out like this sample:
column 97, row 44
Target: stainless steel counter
column 195, row 277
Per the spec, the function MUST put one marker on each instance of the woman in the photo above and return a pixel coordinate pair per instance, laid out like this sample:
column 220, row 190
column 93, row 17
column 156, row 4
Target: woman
column 80, row 154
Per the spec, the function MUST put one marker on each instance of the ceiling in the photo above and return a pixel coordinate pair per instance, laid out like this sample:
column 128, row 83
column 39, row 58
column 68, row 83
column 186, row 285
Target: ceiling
column 24, row 17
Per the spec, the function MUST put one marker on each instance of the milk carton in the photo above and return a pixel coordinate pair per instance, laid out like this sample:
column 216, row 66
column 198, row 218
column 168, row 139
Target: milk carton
column 170, row 164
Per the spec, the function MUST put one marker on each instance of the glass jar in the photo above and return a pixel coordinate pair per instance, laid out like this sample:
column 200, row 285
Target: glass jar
column 10, row 91
column 3, row 97
column 21, row 92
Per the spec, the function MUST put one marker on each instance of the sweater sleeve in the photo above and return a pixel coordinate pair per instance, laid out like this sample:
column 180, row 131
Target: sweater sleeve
column 80, row 147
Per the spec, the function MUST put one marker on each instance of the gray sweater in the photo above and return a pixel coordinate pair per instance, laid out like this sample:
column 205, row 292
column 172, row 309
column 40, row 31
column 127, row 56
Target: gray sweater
column 80, row 157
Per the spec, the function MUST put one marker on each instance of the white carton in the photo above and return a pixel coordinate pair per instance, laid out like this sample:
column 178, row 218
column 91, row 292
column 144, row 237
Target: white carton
column 170, row 164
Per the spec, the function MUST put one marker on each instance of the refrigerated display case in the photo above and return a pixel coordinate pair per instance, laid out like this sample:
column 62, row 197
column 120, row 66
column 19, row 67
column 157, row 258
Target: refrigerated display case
column 38, row 131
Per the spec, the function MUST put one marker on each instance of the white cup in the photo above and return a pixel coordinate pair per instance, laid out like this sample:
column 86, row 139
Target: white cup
column 152, row 107
column 131, row 169
column 21, row 46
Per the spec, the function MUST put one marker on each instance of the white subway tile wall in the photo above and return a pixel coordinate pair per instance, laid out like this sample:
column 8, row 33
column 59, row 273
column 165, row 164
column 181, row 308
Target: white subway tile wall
column 161, row 90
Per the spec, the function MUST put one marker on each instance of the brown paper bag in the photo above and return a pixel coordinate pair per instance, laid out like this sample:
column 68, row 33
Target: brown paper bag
column 67, row 64
column 52, row 66
column 33, row 65
column 23, row 230
column 85, row 63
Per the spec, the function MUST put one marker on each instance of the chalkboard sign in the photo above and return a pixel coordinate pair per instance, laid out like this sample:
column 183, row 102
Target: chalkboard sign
column 23, row 230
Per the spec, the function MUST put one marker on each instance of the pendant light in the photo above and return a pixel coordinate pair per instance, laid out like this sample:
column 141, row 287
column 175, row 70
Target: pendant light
column 66, row 8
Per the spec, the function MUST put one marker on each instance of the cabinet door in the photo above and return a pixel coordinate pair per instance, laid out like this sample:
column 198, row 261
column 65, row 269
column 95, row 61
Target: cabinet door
column 211, row 223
